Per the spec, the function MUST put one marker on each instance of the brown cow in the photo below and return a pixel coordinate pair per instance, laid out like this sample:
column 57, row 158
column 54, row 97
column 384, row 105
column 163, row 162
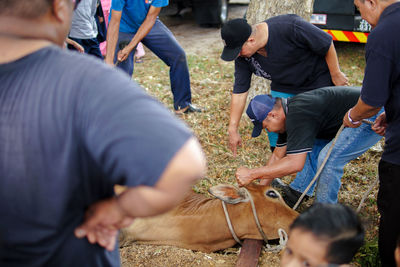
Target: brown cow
column 199, row 223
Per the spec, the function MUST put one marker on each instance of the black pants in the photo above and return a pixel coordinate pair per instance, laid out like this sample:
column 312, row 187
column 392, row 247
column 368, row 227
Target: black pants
column 91, row 46
column 389, row 208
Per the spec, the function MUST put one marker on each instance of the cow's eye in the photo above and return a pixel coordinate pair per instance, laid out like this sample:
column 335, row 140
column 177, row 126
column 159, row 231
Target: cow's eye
column 272, row 194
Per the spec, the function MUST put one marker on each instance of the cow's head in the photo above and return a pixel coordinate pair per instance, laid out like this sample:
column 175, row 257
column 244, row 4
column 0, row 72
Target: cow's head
column 272, row 211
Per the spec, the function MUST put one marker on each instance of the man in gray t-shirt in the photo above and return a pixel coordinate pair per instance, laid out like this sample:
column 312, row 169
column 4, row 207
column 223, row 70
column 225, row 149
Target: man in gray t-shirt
column 84, row 28
column 71, row 128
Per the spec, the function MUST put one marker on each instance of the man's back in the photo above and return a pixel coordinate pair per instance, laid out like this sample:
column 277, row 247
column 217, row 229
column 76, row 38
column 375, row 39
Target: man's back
column 316, row 114
column 64, row 142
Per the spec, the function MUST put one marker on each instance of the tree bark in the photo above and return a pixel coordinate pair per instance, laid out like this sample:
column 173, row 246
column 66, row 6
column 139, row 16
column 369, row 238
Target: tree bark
column 260, row 10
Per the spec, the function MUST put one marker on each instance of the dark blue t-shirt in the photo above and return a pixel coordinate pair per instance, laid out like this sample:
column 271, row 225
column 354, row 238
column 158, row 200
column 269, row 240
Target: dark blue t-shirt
column 295, row 60
column 381, row 85
column 70, row 129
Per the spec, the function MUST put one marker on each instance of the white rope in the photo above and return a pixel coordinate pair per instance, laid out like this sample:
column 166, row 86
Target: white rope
column 283, row 237
column 228, row 220
column 253, row 207
column 282, row 234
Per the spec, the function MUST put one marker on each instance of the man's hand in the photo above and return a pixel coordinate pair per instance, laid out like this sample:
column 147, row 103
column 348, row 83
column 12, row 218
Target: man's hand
column 340, row 79
column 380, row 124
column 124, row 53
column 234, row 141
column 348, row 123
column 102, row 221
column 243, row 176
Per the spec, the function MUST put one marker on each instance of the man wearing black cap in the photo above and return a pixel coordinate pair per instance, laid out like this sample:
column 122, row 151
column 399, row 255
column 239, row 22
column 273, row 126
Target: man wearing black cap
column 294, row 54
column 306, row 124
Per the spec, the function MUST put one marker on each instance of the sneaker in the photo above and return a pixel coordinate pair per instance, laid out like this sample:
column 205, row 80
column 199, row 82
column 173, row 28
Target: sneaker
column 188, row 109
column 291, row 196
column 278, row 184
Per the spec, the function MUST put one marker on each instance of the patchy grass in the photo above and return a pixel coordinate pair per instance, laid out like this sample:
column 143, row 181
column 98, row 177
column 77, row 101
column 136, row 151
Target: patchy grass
column 212, row 81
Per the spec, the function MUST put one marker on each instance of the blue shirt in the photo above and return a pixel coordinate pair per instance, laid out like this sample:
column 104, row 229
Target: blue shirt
column 134, row 12
column 68, row 133
column 295, row 60
column 381, row 85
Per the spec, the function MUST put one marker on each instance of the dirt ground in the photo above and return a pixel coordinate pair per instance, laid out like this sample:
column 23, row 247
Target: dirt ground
column 193, row 38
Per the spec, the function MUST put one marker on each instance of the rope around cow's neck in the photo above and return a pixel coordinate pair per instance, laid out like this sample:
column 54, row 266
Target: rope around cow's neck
column 282, row 234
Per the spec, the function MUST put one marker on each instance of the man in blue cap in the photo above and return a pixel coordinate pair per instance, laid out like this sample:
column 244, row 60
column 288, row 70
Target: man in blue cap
column 306, row 124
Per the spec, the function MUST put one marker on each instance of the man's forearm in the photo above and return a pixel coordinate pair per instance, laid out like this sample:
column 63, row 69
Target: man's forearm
column 238, row 102
column 279, row 168
column 362, row 111
column 332, row 60
column 143, row 30
column 187, row 166
column 112, row 39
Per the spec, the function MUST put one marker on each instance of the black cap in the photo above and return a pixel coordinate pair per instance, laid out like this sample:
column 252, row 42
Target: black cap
column 234, row 34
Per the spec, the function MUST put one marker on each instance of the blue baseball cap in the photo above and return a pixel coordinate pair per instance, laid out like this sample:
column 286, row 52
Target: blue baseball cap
column 258, row 110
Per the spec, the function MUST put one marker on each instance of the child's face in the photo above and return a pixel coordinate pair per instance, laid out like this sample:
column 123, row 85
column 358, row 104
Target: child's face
column 303, row 249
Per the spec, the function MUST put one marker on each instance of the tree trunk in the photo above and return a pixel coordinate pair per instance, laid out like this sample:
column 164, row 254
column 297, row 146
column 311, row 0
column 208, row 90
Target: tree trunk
column 260, row 10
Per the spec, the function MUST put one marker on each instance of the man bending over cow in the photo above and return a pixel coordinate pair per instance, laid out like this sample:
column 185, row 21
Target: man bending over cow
column 306, row 124
column 326, row 235
column 69, row 132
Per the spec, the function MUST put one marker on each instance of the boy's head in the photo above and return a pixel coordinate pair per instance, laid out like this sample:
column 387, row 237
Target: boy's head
column 324, row 235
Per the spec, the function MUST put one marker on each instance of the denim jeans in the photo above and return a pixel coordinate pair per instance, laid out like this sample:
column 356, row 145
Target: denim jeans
column 163, row 44
column 351, row 143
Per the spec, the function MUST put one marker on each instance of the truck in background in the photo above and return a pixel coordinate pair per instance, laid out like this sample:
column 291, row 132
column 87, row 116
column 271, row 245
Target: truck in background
column 341, row 19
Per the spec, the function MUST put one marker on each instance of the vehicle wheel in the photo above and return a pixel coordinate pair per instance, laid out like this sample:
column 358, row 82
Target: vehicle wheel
column 210, row 12
column 223, row 11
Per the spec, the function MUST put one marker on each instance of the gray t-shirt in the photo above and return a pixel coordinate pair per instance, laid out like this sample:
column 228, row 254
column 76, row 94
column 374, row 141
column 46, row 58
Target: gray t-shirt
column 83, row 24
column 70, row 129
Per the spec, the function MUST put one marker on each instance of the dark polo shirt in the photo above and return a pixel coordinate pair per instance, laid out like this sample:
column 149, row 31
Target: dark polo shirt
column 381, row 85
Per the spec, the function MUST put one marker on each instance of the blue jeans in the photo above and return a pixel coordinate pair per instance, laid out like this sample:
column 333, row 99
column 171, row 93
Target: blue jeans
column 273, row 137
column 351, row 143
column 163, row 44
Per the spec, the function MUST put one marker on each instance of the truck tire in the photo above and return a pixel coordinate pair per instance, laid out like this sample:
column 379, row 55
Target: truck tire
column 210, row 13
column 223, row 11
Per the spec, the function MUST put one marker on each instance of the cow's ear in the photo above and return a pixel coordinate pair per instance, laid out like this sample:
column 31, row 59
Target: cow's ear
column 228, row 193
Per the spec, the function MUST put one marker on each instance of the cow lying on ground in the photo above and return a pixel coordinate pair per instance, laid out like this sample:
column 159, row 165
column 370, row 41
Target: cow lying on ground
column 199, row 223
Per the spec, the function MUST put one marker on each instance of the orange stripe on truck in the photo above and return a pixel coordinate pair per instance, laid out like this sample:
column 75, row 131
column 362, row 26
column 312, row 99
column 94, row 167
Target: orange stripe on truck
column 347, row 36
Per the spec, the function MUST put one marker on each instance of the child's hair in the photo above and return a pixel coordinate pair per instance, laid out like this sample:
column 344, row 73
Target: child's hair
column 337, row 224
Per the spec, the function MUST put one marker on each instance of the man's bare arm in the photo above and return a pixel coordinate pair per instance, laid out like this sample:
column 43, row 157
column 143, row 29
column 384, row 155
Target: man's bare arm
column 278, row 168
column 112, row 36
column 104, row 218
column 238, row 102
column 338, row 77
column 143, row 30
column 360, row 111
